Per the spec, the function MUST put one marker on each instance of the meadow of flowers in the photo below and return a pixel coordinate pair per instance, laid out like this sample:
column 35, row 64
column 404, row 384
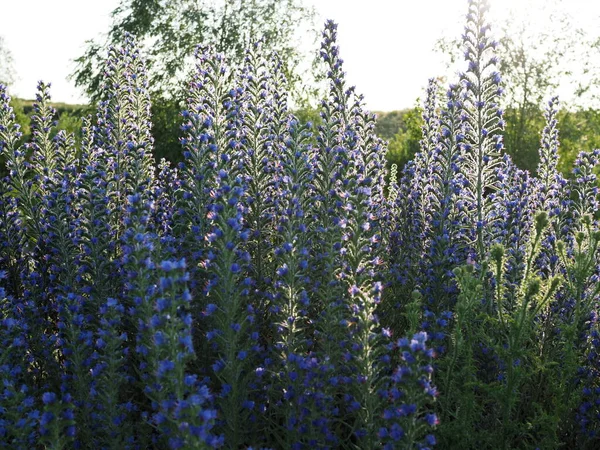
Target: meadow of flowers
column 275, row 291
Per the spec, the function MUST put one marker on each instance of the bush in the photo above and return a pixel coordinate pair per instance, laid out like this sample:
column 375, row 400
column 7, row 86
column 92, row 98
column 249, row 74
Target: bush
column 265, row 292
column 404, row 145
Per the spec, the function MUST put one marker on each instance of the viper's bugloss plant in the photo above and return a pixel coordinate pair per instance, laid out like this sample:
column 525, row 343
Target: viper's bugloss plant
column 272, row 292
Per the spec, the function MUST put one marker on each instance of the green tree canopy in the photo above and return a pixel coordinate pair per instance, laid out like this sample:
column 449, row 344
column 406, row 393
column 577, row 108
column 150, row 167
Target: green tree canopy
column 404, row 144
column 536, row 63
column 7, row 73
column 389, row 123
column 168, row 33
column 170, row 30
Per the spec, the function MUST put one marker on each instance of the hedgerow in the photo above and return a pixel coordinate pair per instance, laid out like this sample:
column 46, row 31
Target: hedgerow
column 272, row 292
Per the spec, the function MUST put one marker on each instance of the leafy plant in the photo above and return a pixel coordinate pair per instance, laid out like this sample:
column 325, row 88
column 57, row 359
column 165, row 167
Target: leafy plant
column 271, row 291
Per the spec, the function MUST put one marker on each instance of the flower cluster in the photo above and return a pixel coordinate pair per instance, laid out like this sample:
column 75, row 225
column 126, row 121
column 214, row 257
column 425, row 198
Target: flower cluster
column 270, row 291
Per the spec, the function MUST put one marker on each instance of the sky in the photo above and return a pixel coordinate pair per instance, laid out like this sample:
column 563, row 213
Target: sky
column 387, row 45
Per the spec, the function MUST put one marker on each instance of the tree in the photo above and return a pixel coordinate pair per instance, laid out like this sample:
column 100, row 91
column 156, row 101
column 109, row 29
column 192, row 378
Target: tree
column 534, row 63
column 389, row 123
column 405, row 143
column 579, row 132
column 7, row 74
column 170, row 31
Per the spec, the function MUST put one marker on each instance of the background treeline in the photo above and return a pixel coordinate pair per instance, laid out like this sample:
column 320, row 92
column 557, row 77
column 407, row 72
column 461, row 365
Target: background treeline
column 579, row 130
column 535, row 63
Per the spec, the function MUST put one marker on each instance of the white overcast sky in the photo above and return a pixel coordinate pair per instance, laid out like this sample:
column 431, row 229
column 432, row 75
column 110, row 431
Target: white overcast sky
column 387, row 45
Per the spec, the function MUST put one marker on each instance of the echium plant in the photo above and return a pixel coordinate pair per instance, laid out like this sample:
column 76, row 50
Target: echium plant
column 406, row 423
column 259, row 155
column 547, row 171
column 588, row 412
column 35, row 288
column 361, row 259
column 327, row 305
column 19, row 416
column 98, row 246
column 512, row 218
column 330, row 164
column 182, row 402
column 272, row 292
column 425, row 166
column 332, row 183
column 11, row 259
column 483, row 121
column 415, row 209
column 446, row 212
column 291, row 301
column 349, row 189
column 429, row 205
column 124, row 126
column 549, row 193
column 216, row 148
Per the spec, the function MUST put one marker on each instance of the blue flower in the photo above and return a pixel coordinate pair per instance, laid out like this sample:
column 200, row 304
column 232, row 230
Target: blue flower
column 163, row 304
column 48, row 398
column 159, row 338
column 46, row 418
column 165, row 366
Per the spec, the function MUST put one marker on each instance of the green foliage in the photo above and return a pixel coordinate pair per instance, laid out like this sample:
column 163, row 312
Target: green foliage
column 266, row 293
column 521, row 136
column 21, row 116
column 68, row 117
column 578, row 128
column 309, row 115
column 7, row 74
column 166, row 123
column 404, row 144
column 579, row 131
column 389, row 123
column 171, row 30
